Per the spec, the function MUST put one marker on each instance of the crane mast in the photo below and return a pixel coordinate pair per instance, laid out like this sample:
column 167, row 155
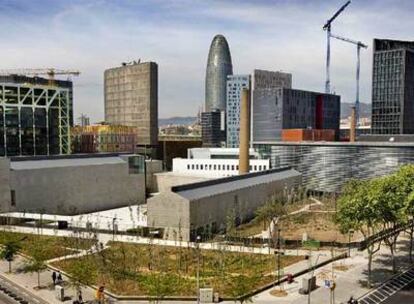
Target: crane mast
column 359, row 45
column 327, row 28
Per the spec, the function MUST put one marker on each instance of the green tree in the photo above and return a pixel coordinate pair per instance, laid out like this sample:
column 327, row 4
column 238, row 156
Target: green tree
column 357, row 211
column 82, row 272
column 10, row 248
column 405, row 176
column 37, row 261
column 390, row 202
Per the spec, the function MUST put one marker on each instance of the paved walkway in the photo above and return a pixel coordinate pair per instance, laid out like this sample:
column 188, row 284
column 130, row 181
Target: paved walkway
column 28, row 282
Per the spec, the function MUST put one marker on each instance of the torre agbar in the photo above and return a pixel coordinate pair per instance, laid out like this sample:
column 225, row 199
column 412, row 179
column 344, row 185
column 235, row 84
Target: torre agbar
column 218, row 67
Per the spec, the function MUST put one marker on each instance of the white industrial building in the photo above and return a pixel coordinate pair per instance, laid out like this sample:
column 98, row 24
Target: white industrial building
column 216, row 162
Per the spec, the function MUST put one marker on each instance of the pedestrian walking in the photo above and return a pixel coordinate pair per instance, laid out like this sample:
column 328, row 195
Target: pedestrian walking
column 59, row 278
column 80, row 297
column 100, row 295
column 54, row 277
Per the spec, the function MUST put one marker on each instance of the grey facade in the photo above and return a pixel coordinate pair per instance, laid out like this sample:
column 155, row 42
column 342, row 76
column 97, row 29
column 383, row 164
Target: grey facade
column 219, row 66
column 35, row 117
column 235, row 84
column 327, row 166
column 393, row 87
column 6, row 202
column 283, row 108
column 202, row 209
column 263, row 79
column 75, row 185
column 131, row 99
column 213, row 132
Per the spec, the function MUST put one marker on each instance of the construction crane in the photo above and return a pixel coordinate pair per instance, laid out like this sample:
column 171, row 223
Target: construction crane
column 359, row 45
column 50, row 72
column 327, row 28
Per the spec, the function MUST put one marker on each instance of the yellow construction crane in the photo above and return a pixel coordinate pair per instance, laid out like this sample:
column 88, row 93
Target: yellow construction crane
column 50, row 72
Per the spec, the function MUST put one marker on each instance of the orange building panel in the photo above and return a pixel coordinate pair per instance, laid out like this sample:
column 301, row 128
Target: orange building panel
column 308, row 135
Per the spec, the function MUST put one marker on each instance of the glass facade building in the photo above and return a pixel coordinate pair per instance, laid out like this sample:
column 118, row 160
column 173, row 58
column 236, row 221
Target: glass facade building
column 35, row 118
column 393, row 87
column 275, row 109
column 219, row 66
column 326, row 167
column 235, row 84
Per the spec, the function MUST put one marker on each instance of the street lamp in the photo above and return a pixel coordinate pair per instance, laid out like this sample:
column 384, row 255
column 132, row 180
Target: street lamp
column 313, row 271
column 198, row 238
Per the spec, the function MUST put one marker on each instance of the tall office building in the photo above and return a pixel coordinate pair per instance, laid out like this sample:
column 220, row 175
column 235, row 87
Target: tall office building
column 235, row 84
column 213, row 128
column 393, row 87
column 219, row 66
column 275, row 110
column 35, row 117
column 131, row 99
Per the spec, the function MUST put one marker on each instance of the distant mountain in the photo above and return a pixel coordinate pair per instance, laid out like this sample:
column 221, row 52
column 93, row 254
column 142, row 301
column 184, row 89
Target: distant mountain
column 364, row 109
column 186, row 121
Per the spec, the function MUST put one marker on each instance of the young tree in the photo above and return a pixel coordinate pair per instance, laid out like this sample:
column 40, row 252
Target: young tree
column 270, row 214
column 390, row 202
column 10, row 248
column 37, row 261
column 356, row 211
column 82, row 272
column 405, row 176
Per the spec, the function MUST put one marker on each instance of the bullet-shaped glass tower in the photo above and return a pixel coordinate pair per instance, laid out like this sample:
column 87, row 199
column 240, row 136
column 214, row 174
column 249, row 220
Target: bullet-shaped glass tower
column 218, row 67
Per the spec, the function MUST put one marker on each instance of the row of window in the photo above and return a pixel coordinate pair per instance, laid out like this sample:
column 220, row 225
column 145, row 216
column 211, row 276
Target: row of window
column 215, row 167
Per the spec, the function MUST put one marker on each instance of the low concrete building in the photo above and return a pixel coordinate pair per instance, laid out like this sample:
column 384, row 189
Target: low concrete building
column 203, row 208
column 75, row 184
column 6, row 196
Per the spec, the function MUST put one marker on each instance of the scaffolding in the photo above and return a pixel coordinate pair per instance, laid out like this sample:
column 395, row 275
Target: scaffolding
column 34, row 119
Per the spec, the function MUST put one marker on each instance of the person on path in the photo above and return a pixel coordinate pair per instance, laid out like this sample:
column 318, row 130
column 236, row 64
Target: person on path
column 59, row 278
column 54, row 277
column 80, row 298
column 100, row 295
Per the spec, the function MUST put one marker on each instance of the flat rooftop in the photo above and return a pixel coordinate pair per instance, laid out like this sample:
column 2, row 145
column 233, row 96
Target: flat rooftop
column 227, row 184
column 58, row 163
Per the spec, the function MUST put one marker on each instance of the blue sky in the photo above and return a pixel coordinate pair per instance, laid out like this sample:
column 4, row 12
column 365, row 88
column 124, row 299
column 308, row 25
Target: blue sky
column 275, row 35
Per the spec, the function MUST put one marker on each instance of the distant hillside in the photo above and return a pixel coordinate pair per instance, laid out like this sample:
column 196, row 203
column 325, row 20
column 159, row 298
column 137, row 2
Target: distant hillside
column 364, row 109
column 177, row 121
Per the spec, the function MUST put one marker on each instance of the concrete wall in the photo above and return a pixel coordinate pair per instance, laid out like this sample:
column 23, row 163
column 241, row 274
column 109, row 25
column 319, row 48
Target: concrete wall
column 170, row 210
column 164, row 181
column 152, row 167
column 5, row 197
column 77, row 189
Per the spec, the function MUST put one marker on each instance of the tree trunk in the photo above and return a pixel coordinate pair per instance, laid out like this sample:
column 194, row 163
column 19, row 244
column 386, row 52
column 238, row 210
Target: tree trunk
column 38, row 279
column 393, row 258
column 10, row 266
column 369, row 269
column 411, row 243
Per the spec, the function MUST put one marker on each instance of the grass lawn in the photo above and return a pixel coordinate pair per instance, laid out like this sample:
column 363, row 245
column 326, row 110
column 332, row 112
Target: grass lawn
column 53, row 246
column 130, row 269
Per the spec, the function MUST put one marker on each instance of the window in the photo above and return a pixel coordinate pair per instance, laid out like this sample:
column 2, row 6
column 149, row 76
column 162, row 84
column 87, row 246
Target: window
column 13, row 197
column 197, row 167
column 192, row 167
column 232, row 167
column 188, row 167
column 215, row 167
column 201, row 167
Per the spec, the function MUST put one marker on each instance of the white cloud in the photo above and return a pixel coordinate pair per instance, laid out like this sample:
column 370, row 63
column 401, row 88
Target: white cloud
column 276, row 35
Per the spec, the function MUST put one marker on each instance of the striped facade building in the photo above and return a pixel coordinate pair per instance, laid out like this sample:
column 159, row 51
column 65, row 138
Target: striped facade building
column 327, row 166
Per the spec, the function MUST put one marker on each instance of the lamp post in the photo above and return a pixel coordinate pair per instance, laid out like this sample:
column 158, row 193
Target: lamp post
column 313, row 271
column 198, row 238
